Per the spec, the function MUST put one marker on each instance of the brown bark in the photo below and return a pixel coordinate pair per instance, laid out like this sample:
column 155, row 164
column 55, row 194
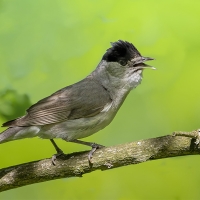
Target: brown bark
column 76, row 164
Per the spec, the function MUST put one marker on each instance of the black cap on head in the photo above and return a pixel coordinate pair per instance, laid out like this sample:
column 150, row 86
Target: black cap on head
column 121, row 51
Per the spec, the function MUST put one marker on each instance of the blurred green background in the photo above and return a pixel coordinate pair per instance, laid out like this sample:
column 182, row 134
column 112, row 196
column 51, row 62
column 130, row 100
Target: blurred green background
column 46, row 45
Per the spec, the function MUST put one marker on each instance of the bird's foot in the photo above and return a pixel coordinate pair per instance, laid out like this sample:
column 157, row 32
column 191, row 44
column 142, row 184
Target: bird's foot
column 94, row 148
column 90, row 144
column 54, row 157
column 194, row 134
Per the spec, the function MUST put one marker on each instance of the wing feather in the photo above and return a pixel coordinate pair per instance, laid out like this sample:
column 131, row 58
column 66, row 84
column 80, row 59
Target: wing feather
column 83, row 99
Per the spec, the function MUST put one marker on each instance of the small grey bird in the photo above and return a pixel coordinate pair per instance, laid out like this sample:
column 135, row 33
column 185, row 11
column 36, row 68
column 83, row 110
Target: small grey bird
column 82, row 109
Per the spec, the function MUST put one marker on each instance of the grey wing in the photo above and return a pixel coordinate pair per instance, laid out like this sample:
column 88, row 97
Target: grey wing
column 83, row 99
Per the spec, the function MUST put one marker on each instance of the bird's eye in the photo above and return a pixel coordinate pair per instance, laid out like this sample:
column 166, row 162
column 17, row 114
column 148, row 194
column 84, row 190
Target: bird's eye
column 122, row 62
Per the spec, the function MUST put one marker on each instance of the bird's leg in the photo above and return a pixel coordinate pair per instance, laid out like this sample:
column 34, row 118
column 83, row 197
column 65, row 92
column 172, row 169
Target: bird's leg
column 59, row 152
column 93, row 145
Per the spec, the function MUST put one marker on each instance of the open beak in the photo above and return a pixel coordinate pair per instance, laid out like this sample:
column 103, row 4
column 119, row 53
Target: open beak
column 138, row 62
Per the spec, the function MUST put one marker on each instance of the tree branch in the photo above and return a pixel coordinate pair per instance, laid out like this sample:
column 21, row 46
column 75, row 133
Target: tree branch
column 76, row 164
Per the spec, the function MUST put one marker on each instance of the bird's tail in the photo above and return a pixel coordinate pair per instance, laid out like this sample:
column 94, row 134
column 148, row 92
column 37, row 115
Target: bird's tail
column 9, row 133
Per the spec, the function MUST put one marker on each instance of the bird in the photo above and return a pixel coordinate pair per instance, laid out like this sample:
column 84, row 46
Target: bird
column 83, row 108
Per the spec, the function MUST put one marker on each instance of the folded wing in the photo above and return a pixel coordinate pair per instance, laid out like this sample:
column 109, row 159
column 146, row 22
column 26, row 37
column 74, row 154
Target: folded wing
column 84, row 99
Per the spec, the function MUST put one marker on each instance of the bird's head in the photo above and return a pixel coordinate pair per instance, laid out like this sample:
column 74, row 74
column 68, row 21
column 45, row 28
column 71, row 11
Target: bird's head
column 124, row 63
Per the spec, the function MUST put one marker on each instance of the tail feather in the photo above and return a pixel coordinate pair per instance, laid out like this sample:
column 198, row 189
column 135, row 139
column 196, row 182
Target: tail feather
column 9, row 133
